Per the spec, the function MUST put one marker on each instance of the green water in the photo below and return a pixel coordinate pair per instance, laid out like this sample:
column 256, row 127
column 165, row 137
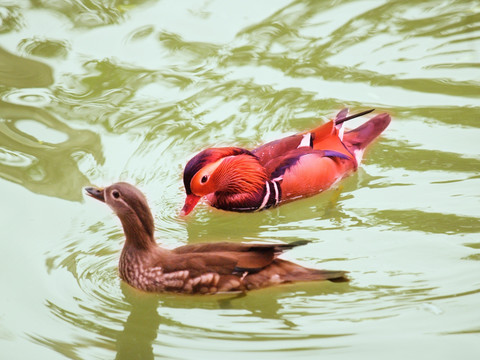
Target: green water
column 93, row 92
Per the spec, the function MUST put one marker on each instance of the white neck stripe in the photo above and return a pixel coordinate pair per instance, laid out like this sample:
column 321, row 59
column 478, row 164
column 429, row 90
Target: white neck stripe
column 267, row 196
column 275, row 186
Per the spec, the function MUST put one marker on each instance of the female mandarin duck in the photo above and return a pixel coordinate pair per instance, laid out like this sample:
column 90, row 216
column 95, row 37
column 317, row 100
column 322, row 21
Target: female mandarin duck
column 198, row 268
column 300, row 165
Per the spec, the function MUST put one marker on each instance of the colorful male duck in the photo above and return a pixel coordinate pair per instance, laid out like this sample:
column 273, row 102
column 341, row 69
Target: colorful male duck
column 301, row 165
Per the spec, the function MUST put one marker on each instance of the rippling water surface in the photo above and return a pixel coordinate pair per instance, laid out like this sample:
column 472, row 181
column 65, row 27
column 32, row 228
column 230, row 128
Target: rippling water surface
column 93, row 92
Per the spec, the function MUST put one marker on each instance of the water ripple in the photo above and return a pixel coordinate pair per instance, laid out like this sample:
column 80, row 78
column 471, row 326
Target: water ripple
column 24, row 129
column 16, row 71
column 130, row 90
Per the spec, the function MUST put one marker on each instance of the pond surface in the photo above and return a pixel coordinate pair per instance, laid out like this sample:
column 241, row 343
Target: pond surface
column 93, row 92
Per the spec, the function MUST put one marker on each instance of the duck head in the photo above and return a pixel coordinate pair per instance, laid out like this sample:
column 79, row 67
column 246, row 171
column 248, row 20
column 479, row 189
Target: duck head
column 131, row 207
column 227, row 170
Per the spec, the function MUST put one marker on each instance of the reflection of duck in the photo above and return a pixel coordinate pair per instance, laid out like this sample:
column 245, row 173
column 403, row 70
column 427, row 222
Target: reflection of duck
column 197, row 268
column 140, row 329
column 300, row 165
column 153, row 316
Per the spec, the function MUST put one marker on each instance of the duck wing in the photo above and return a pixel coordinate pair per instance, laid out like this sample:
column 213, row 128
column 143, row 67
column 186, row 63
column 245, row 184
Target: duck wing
column 226, row 257
column 274, row 149
column 327, row 136
column 236, row 247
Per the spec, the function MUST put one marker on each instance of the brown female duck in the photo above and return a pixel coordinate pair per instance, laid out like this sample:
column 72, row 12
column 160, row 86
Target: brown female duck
column 197, row 268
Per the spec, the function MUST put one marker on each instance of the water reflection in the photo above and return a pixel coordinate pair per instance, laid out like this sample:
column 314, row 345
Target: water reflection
column 141, row 327
column 309, row 42
column 306, row 216
column 49, row 168
column 401, row 155
column 153, row 320
column 170, row 78
column 45, row 47
column 139, row 335
column 416, row 220
column 90, row 13
column 10, row 18
column 162, row 325
column 20, row 72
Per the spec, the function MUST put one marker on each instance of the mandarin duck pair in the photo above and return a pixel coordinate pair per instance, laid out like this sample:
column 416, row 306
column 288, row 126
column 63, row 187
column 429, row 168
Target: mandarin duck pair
column 236, row 179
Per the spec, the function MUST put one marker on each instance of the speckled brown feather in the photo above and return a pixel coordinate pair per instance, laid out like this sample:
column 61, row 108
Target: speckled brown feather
column 198, row 268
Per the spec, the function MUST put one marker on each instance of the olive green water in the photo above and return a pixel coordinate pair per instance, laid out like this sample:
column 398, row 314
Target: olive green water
column 93, row 92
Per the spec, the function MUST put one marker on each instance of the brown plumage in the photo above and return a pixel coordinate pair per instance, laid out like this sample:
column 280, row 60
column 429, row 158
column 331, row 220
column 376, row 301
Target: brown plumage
column 198, row 268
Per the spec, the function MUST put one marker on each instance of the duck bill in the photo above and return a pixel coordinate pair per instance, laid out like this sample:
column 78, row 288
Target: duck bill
column 190, row 203
column 96, row 193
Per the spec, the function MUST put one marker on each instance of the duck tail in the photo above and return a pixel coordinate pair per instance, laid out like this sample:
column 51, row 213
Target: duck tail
column 332, row 275
column 319, row 275
column 358, row 139
column 293, row 273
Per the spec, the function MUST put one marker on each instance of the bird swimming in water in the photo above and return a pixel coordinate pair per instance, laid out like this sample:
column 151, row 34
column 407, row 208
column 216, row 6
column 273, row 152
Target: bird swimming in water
column 301, row 165
column 206, row 268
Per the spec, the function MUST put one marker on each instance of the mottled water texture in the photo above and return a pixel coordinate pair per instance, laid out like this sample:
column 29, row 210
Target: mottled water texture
column 93, row 92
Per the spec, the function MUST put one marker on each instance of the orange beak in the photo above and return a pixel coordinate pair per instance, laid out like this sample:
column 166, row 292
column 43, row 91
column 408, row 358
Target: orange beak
column 190, row 203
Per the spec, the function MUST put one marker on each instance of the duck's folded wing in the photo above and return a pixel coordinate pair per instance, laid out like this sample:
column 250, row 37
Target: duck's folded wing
column 273, row 149
column 226, row 258
column 236, row 247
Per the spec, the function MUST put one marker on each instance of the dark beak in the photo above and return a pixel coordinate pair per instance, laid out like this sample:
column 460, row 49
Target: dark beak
column 96, row 193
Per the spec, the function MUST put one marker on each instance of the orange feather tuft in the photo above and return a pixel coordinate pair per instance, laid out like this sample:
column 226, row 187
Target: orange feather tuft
column 241, row 174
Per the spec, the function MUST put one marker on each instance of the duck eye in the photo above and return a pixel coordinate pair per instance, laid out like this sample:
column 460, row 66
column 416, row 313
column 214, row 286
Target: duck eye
column 204, row 179
column 115, row 194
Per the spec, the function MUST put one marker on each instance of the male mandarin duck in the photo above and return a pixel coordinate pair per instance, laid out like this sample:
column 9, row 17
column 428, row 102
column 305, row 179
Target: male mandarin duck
column 198, row 268
column 301, row 165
